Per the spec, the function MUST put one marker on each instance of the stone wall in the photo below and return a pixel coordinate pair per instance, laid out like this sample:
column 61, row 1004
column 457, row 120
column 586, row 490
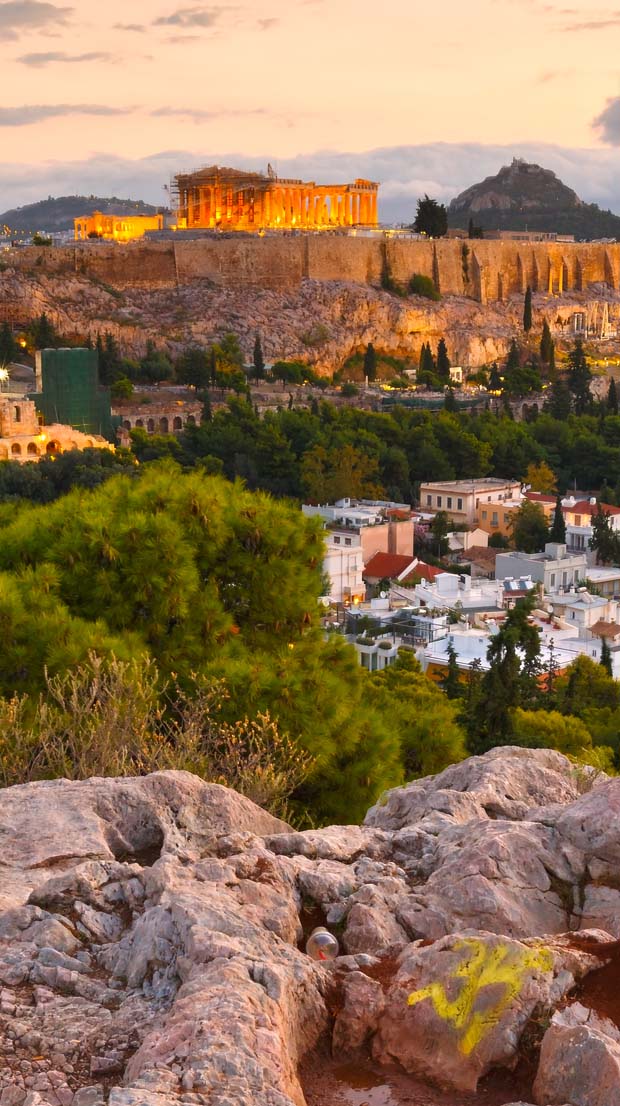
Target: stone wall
column 482, row 270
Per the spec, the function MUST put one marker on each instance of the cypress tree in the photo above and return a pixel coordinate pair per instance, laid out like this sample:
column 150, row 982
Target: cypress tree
column 579, row 377
column 612, row 398
column 546, row 343
column 605, row 659
column 429, row 365
column 258, row 359
column 370, row 363
column 558, row 526
column 527, row 310
column 8, row 345
column 512, row 361
column 443, row 361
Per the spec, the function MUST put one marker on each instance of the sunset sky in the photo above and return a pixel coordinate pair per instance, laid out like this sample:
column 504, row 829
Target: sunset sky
column 114, row 97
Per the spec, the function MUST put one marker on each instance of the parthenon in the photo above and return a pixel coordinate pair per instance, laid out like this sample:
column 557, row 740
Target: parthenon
column 231, row 199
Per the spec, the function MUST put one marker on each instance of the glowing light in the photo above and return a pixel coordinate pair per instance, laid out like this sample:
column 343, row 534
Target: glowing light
column 4, row 372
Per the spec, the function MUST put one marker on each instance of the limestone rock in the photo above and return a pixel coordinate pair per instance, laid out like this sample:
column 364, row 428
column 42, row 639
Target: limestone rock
column 457, row 1007
column 579, row 1060
column 150, row 930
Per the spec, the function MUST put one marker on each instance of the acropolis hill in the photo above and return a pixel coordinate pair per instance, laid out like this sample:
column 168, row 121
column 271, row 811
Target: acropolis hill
column 316, row 297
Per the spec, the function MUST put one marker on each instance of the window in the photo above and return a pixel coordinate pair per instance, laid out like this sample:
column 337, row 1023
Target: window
column 577, row 520
column 494, row 519
column 484, row 516
column 18, row 414
column 336, row 541
column 449, row 501
column 459, row 504
column 552, row 580
column 439, row 501
column 347, row 541
column 429, row 501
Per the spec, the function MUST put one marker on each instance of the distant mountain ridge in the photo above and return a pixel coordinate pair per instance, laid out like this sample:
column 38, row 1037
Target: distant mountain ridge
column 58, row 213
column 524, row 195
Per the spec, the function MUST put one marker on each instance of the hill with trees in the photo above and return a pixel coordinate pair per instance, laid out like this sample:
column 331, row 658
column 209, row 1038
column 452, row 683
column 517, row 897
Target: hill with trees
column 524, row 195
column 58, row 213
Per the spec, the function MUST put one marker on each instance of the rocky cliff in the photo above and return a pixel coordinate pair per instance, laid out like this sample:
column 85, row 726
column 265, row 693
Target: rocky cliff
column 320, row 322
column 152, row 934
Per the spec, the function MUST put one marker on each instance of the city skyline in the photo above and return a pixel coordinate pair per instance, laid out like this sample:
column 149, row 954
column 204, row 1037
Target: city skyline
column 428, row 98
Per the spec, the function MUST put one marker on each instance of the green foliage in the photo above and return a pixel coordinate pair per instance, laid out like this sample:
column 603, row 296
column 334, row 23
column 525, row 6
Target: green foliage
column 529, row 531
column 431, row 218
column 579, row 378
column 370, row 363
column 41, row 240
column 604, row 539
column 423, row 719
column 41, row 334
column 258, row 360
column 546, row 343
column 443, row 361
column 421, row 285
column 8, row 346
column 193, row 368
column 122, row 388
column 511, row 680
column 197, row 575
column 557, row 532
column 527, row 310
column 349, row 389
column 612, row 396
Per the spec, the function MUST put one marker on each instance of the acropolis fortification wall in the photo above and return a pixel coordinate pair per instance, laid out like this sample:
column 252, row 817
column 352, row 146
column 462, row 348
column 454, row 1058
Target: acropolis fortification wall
column 483, row 270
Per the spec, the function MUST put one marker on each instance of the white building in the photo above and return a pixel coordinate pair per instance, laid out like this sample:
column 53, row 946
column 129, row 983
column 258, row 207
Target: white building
column 343, row 566
column 555, row 569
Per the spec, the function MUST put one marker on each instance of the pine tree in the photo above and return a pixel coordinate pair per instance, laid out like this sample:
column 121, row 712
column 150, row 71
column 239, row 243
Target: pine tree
column 605, row 658
column 557, row 532
column 612, row 398
column 258, row 359
column 527, row 310
column 370, row 363
column 545, row 343
column 443, row 361
column 422, row 357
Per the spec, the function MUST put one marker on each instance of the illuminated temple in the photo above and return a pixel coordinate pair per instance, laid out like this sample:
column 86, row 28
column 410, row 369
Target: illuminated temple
column 234, row 200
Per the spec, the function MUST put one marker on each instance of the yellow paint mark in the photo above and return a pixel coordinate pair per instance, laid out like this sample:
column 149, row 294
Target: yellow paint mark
column 482, row 967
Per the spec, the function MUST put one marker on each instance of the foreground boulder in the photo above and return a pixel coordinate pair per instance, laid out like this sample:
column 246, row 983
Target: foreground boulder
column 150, row 933
column 579, row 1060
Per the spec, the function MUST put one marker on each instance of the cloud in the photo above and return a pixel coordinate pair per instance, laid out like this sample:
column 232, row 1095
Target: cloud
column 26, row 114
column 594, row 24
column 405, row 172
column 190, row 17
column 200, row 115
column 17, row 16
column 38, row 60
column 138, row 27
column 267, row 24
column 608, row 122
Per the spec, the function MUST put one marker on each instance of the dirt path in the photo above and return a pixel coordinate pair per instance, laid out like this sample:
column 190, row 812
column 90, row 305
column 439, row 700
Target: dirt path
column 329, row 1083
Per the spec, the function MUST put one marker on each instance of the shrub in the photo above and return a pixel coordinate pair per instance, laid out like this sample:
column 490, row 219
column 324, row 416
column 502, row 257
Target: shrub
column 420, row 285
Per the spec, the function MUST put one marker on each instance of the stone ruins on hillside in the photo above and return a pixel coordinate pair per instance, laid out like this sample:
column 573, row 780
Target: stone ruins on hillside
column 151, row 937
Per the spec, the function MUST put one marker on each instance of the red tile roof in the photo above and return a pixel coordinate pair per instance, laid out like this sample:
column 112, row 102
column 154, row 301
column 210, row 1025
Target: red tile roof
column 584, row 507
column 388, row 566
column 605, row 629
column 423, row 572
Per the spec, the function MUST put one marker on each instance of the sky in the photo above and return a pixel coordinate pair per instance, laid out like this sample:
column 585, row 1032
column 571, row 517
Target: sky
column 114, row 98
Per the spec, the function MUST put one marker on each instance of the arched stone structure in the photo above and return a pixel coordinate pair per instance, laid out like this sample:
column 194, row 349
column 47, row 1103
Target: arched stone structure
column 33, row 450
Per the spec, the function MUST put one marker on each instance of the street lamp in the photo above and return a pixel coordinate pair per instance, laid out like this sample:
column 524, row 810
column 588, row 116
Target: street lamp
column 4, row 377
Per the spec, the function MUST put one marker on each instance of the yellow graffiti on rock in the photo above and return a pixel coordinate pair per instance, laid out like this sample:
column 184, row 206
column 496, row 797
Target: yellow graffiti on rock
column 481, row 967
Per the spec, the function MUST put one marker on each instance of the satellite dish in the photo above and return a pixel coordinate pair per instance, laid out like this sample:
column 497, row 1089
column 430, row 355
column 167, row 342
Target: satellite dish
column 383, row 594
